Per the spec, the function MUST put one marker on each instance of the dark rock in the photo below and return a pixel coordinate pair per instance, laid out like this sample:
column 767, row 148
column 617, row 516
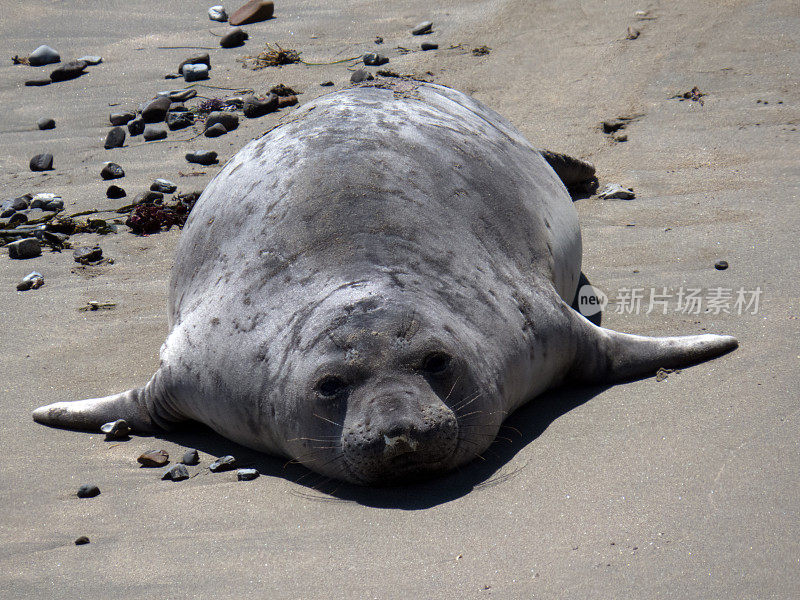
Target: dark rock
column 282, row 90
column 111, row 171
column 55, row 205
column 42, row 162
column 612, row 125
column 38, row 82
column 246, row 474
column 31, row 281
column 16, row 219
column 326, row 83
column 82, row 540
column 85, row 256
column 153, row 132
column 373, row 59
column 284, row 101
column 258, row 107
column 428, row 46
column 229, row 120
column 360, row 75
column 43, row 55
column 116, row 430
column 217, row 13
column 121, row 118
column 115, row 138
column 182, row 95
column 136, row 127
column 252, row 12
column 423, row 28
column 25, row 248
column 46, row 123
column 164, row 186
column 178, row 472
column 88, row 490
column 224, row 463
column 177, row 107
column 154, row 458
column 208, row 157
column 190, row 457
column 216, row 130
column 19, row 203
column 721, row 265
column 197, row 72
column 234, row 38
column 70, row 70
column 155, row 110
column 200, row 59
column 179, row 120
column 149, row 197
column 114, row 192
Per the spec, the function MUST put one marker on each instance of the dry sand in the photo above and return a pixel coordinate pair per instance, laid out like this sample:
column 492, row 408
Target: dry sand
column 684, row 488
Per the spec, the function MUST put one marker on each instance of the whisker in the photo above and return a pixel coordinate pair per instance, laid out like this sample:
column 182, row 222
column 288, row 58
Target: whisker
column 328, row 420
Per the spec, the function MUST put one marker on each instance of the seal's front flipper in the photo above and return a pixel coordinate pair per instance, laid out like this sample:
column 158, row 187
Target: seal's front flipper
column 578, row 176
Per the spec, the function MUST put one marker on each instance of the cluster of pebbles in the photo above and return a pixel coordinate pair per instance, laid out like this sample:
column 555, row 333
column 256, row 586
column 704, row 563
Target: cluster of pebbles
column 45, row 55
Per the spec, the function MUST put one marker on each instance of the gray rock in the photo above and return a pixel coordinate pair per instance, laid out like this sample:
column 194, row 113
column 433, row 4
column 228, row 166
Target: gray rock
column 216, row 130
column 149, row 197
column 181, row 95
column 163, row 185
column 115, row 138
column 41, row 200
column 423, row 28
column 177, row 107
column 360, row 75
column 258, row 107
column 224, row 463
column 200, row 59
column 246, row 474
column 114, row 192
column 116, row 430
column 121, row 118
column 42, row 162
column 31, row 281
column 234, row 38
column 373, row 59
column 111, row 171
column 208, row 157
column 46, row 123
column 229, row 120
column 154, row 132
column 136, row 127
column 16, row 219
column 67, row 71
column 153, row 458
column 217, row 13
column 178, row 472
column 196, row 72
column 88, row 490
column 179, row 120
column 614, row 191
column 21, row 202
column 428, row 46
column 43, row 55
column 155, row 110
column 190, row 457
column 55, row 205
column 91, row 60
column 25, row 248
column 85, row 256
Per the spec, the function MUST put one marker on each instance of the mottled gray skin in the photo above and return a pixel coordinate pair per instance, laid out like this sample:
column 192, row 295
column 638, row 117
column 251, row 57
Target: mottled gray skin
column 372, row 287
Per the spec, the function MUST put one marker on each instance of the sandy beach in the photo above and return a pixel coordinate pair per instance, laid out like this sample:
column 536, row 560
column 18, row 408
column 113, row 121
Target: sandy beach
column 685, row 487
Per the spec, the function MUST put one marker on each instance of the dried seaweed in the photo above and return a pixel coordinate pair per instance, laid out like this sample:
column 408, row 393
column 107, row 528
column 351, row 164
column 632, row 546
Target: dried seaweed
column 271, row 57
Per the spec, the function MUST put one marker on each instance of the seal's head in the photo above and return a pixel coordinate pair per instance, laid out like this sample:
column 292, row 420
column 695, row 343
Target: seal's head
column 383, row 392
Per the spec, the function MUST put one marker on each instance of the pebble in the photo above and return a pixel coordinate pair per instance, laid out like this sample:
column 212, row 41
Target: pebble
column 17, row 218
column 181, row 95
column 621, row 137
column 115, row 138
column 111, row 171
column 116, row 430
column 224, row 463
column 326, row 83
column 234, row 38
column 154, row 458
column 43, row 55
column 149, row 197
column 176, row 473
column 423, row 28
column 208, row 157
column 136, row 127
column 258, row 107
column 114, row 192
column 217, row 13
column 200, row 59
column 88, row 490
column 91, row 60
column 46, row 123
column 228, row 120
column 614, row 191
column 67, row 71
column 177, row 107
column 163, row 185
column 216, row 130
column 155, row 110
column 195, row 72
column 284, row 101
column 246, row 474
column 429, row 46
column 360, row 75
column 154, row 132
column 42, row 200
column 121, row 118
column 42, row 162
column 19, row 203
column 31, row 281
column 54, row 205
column 85, row 256
column 252, row 12
column 82, row 540
column 179, row 120
column 24, row 248
column 373, row 59
column 721, row 265
column 190, row 457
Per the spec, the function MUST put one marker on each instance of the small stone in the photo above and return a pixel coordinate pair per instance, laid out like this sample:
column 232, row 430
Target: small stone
column 67, row 71
column 177, row 107
column 31, row 281
column 111, row 171
column 721, row 265
column 85, row 256
column 91, row 60
column 224, row 463
column 163, row 185
column 282, row 90
column 181, row 95
column 612, row 125
column 234, row 38
column 179, row 120
column 115, row 138
column 258, row 107
column 88, row 490
column 82, row 540
column 42, row 162
column 24, row 248
column 252, row 12
column 20, row 202
column 115, row 192
column 216, row 130
column 121, row 118
column 149, row 197
column 621, row 137
column 326, row 83
column 190, row 457
column 284, row 101
column 246, row 474
column 208, row 157
column 197, row 72
column 43, row 55
column 423, row 28
column 614, row 191
column 200, row 59
column 136, row 127
column 116, row 430
column 154, row 458
column 429, row 46
column 16, row 218
column 360, row 75
column 178, row 472
column 41, row 200
column 228, row 120
column 217, row 13
column 46, row 123
column 54, row 205
column 156, row 110
column 38, row 82
column 154, row 132
column 373, row 59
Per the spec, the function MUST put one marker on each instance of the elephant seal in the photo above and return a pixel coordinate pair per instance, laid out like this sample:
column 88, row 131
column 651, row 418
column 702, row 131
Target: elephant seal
column 372, row 287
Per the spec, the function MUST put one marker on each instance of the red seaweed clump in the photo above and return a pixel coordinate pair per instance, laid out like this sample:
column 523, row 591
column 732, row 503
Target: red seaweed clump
column 152, row 218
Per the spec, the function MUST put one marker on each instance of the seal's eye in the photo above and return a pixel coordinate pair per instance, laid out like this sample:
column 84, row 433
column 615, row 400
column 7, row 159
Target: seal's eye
column 330, row 386
column 436, row 363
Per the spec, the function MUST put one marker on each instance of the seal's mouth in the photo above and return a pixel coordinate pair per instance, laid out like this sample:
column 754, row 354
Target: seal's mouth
column 407, row 468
